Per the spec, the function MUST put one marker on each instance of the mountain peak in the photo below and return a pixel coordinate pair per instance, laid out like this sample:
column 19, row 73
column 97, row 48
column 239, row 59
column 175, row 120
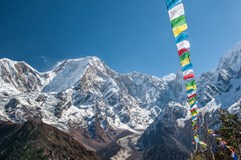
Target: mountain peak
column 232, row 59
column 19, row 76
column 6, row 60
column 11, row 63
column 170, row 77
column 89, row 60
column 67, row 73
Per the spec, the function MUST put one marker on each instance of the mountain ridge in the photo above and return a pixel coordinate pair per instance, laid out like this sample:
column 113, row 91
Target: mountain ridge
column 84, row 96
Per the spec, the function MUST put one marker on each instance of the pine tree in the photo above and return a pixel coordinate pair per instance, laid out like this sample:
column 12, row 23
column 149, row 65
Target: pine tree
column 230, row 132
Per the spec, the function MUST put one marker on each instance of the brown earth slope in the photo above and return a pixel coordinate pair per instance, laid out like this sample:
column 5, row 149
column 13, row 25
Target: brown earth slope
column 38, row 141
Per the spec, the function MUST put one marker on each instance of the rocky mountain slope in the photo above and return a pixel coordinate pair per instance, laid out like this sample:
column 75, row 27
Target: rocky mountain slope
column 17, row 77
column 169, row 134
column 36, row 140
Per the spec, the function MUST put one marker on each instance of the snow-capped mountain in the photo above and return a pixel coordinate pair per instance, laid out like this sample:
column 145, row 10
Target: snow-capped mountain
column 88, row 99
column 84, row 93
column 17, row 77
column 81, row 87
column 219, row 88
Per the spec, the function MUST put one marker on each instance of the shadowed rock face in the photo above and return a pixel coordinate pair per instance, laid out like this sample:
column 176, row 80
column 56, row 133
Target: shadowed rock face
column 164, row 153
column 164, row 139
column 36, row 140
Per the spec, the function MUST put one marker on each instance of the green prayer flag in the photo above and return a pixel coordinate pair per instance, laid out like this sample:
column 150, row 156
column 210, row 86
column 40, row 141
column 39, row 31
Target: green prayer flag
column 184, row 56
column 192, row 83
column 192, row 99
column 179, row 21
column 194, row 113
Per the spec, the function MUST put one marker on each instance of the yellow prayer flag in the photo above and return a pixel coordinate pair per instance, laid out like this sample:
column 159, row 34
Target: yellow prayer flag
column 179, row 29
column 219, row 139
column 210, row 131
column 192, row 102
column 185, row 62
column 194, row 87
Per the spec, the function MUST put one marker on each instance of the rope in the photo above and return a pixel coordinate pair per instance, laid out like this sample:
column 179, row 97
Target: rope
column 178, row 22
column 223, row 144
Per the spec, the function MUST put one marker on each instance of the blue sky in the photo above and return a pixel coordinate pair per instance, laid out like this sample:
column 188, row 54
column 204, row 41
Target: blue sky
column 128, row 35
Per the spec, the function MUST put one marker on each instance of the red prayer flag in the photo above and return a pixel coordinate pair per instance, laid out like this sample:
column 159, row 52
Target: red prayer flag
column 192, row 96
column 183, row 50
column 191, row 75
